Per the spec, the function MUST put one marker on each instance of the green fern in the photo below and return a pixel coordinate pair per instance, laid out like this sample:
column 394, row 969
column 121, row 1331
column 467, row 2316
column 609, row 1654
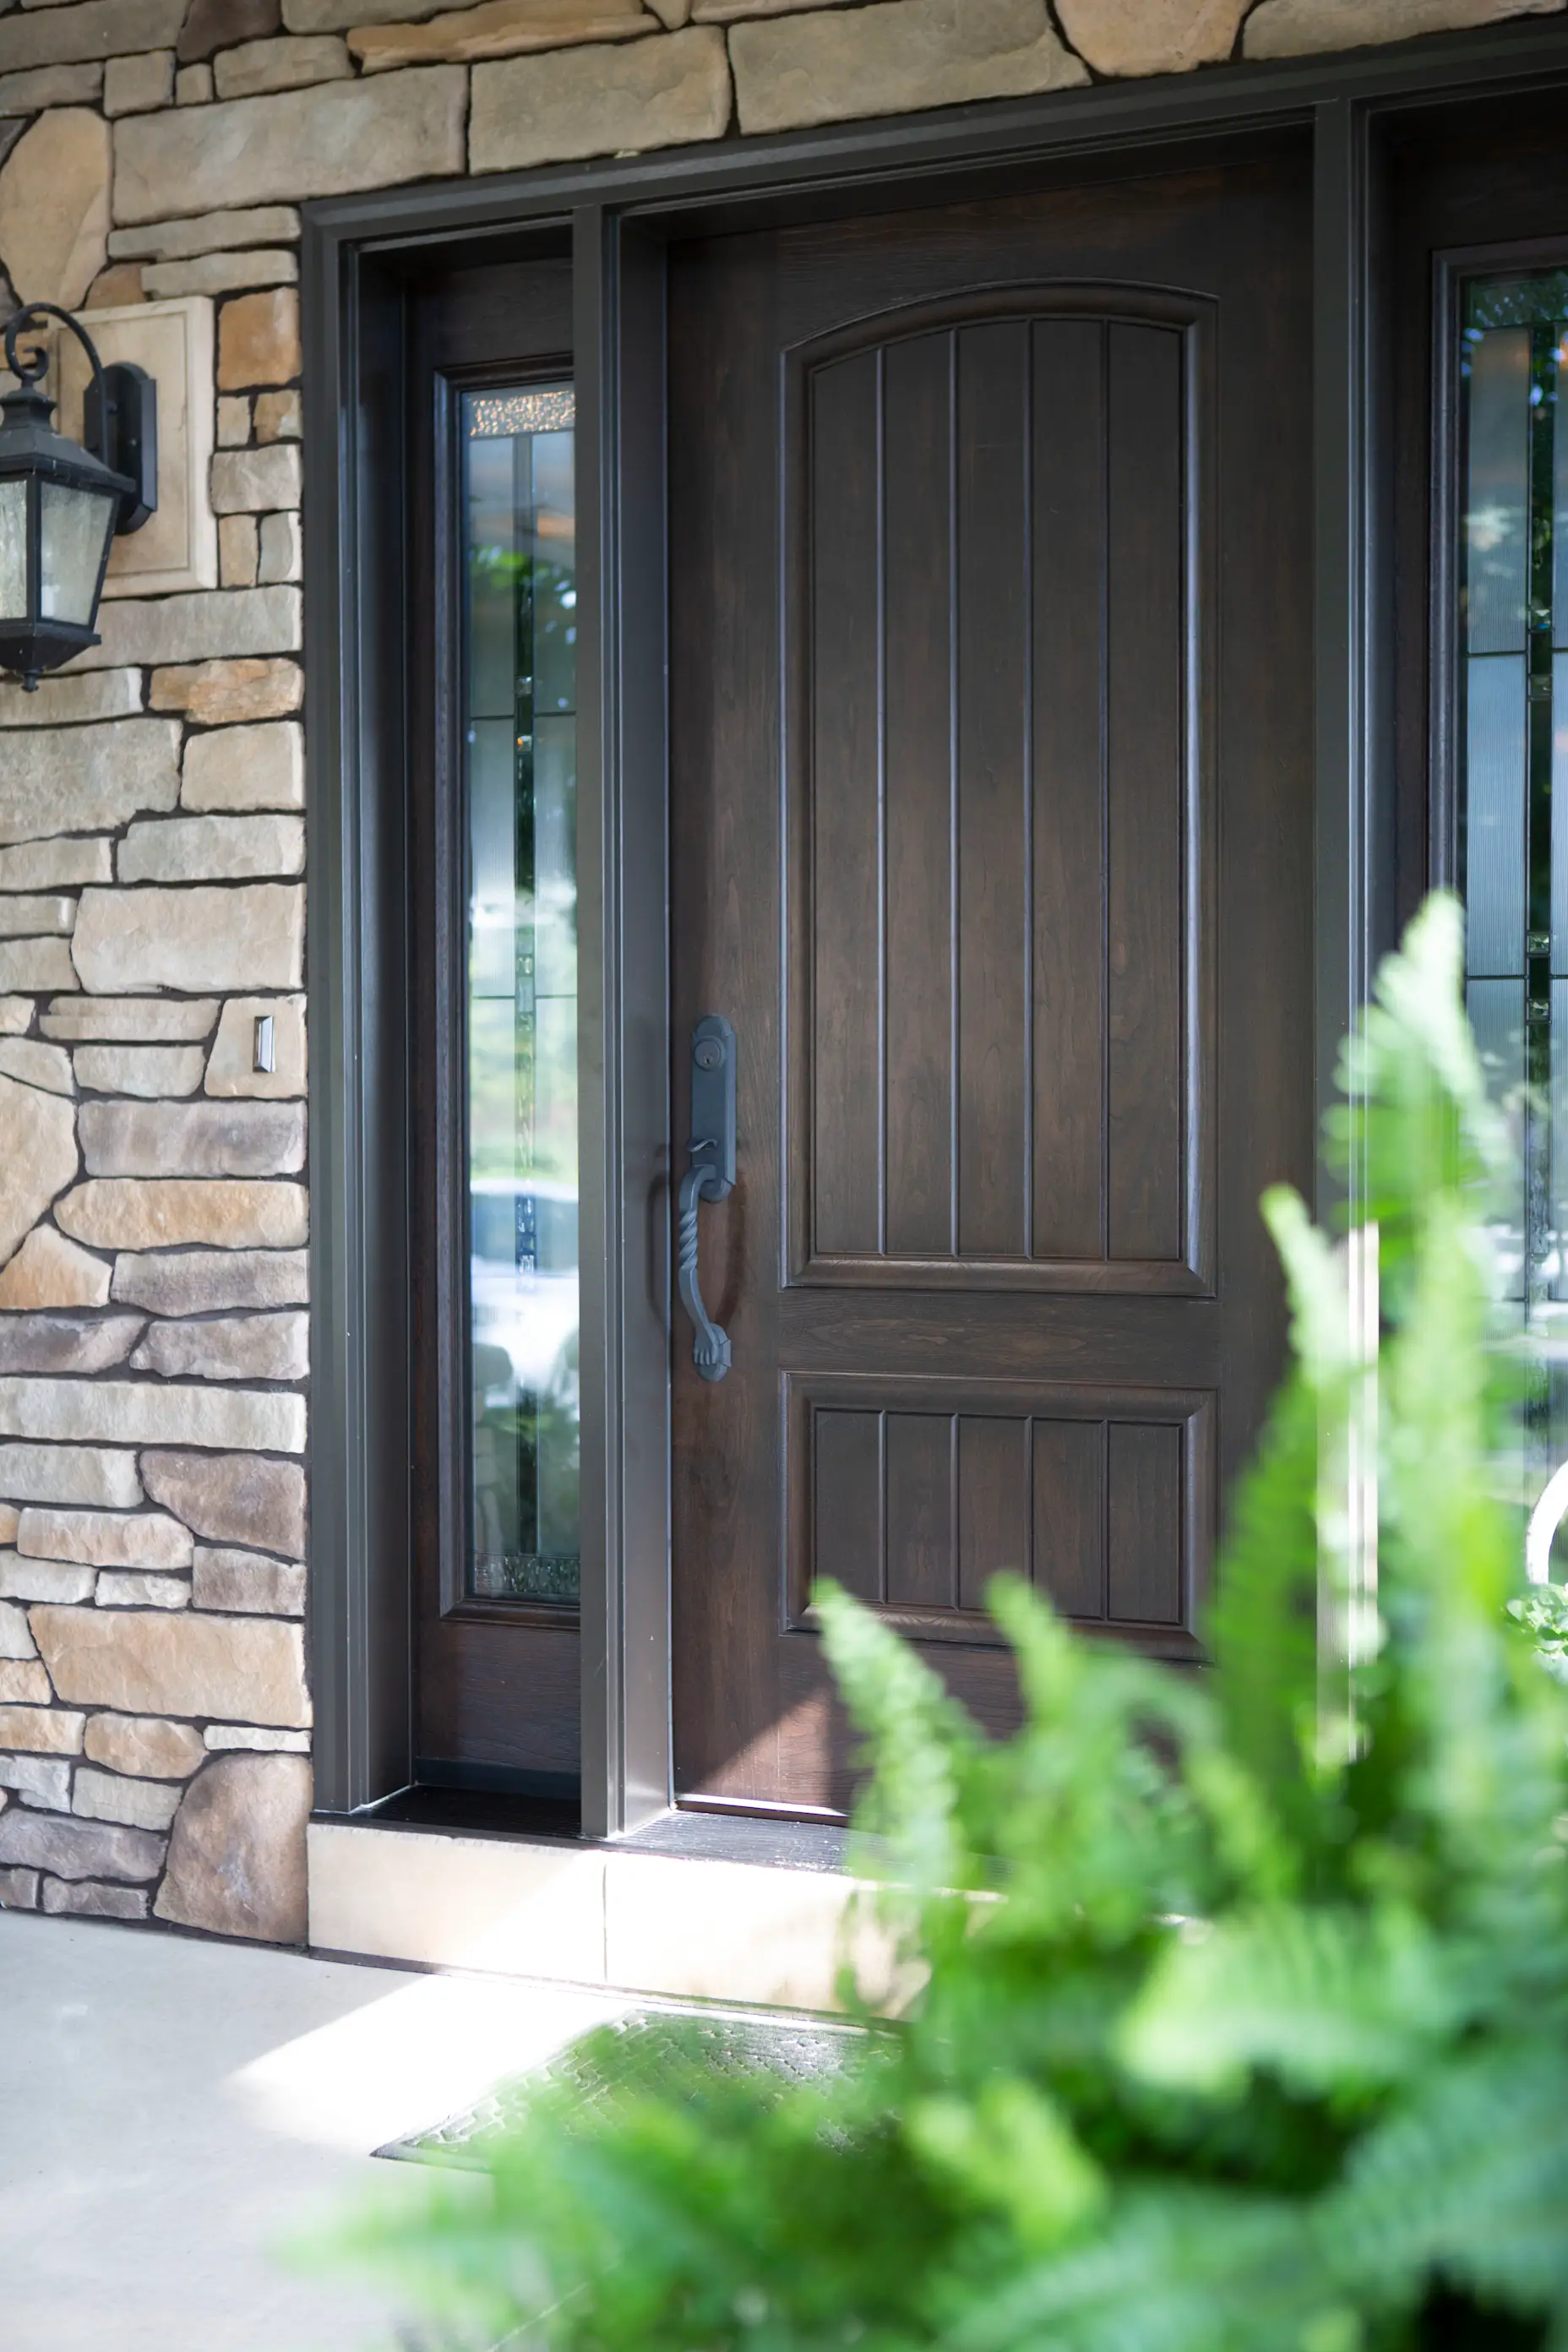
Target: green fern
column 1245, row 2015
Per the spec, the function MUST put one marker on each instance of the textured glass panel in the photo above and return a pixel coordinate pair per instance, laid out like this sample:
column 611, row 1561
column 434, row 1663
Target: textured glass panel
column 1497, row 489
column 13, row 551
column 1495, row 843
column 520, row 712
column 74, row 528
column 1496, row 1016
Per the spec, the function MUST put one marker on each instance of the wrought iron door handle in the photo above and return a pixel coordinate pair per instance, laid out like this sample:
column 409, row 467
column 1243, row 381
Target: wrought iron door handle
column 710, row 1177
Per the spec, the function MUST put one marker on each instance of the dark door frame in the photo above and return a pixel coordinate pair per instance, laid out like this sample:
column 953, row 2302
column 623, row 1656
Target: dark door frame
column 620, row 215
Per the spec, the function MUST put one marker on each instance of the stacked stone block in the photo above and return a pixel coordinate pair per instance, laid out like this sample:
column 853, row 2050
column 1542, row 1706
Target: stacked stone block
column 154, row 1716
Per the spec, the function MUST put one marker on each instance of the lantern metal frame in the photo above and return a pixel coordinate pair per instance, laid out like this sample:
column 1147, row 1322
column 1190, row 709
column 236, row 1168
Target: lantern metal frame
column 119, row 415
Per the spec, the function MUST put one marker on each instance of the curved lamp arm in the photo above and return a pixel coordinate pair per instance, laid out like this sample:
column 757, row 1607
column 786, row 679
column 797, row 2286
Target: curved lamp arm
column 27, row 319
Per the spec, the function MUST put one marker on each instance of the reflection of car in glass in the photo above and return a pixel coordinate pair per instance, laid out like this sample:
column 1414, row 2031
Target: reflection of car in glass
column 524, row 1287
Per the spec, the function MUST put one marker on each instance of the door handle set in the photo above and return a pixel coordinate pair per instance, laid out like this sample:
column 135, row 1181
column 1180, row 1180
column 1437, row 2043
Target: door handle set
column 711, row 1176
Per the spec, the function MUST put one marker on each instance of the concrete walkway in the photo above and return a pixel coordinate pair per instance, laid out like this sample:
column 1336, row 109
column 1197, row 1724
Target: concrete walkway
column 171, row 2109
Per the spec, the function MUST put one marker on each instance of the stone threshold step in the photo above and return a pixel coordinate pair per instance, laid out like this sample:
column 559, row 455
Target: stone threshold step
column 683, row 1925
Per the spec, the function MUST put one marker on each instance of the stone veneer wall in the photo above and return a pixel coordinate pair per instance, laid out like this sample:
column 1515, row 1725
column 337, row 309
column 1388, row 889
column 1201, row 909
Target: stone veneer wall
column 153, row 1190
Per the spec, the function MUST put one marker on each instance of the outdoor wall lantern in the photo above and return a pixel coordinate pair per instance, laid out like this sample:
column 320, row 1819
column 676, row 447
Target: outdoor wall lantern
column 61, row 505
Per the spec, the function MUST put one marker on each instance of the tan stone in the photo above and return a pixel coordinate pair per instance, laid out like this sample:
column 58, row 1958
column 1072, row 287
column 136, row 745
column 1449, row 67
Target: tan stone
column 233, row 420
column 210, row 848
column 18, row 1890
column 116, row 287
column 205, row 624
column 238, row 550
column 215, row 693
column 287, row 61
column 278, row 417
column 124, row 1213
column 149, row 1746
column 36, row 965
column 37, row 1157
column 834, row 66
column 259, row 341
column 203, row 1138
column 120, row 1589
column 256, row 481
column 72, row 1849
column 66, row 1343
column 220, row 232
column 150, row 1071
column 244, row 768
column 37, row 1065
column 99, row 28
column 41, row 1731
column 104, row 1797
column 129, row 1018
column 54, row 206
column 234, row 1499
column 282, row 553
column 231, row 1067
column 30, row 917
column 248, row 1584
column 139, row 85
column 247, row 1669
column 600, row 100
column 323, row 142
column 237, row 1857
column 207, row 1282
column 9, row 1516
column 24, row 1680
column 218, row 273
column 500, row 29
column 730, row 12
column 673, row 13
column 194, row 85
column 44, row 1579
column 144, row 1413
column 49, row 1271
column 251, row 935
column 236, row 1347
column 69, row 1474
column 24, row 93
column 47, row 865
column 104, row 1539
column 1291, row 28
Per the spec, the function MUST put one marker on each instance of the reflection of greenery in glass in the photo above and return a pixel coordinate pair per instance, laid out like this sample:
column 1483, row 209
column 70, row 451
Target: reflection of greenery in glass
column 519, row 704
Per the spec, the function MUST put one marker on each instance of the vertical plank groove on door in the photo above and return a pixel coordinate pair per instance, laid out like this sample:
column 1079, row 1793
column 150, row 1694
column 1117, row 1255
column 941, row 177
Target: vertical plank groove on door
column 1067, row 431
column 920, row 879
column 992, row 643
column 1144, row 1488
column 848, row 1517
column 845, row 675
column 993, row 1502
column 1145, row 791
column 1067, row 1470
column 921, row 1568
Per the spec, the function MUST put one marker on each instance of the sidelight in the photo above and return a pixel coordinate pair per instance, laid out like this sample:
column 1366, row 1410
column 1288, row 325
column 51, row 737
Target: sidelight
column 1512, row 748
column 520, row 744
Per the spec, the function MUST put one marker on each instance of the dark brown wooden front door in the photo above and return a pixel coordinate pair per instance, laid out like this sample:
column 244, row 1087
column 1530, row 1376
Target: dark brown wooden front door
column 992, row 837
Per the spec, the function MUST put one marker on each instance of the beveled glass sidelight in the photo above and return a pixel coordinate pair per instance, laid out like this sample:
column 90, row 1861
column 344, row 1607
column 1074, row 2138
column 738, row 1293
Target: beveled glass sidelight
column 1513, row 760
column 520, row 764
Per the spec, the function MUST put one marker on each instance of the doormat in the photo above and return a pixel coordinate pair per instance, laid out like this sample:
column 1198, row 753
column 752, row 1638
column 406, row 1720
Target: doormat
column 649, row 2051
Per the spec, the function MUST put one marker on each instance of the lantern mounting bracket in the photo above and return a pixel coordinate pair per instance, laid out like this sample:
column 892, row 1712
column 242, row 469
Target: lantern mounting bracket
column 120, row 409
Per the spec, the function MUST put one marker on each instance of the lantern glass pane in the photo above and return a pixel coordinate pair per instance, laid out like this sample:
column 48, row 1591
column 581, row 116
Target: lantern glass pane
column 74, row 530
column 13, row 551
